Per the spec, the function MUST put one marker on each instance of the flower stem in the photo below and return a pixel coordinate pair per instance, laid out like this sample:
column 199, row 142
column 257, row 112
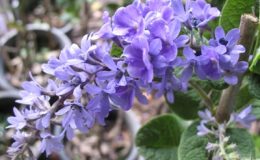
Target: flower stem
column 248, row 26
column 202, row 94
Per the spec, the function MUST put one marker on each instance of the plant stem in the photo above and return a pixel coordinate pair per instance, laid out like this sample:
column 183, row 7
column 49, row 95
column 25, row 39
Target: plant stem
column 257, row 41
column 202, row 94
column 248, row 26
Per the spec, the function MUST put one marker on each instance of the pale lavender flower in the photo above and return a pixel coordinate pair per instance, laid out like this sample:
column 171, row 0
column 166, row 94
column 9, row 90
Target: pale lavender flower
column 20, row 139
column 128, row 21
column 245, row 117
column 50, row 143
column 202, row 130
column 206, row 116
column 138, row 60
column 211, row 147
column 232, row 71
column 76, row 116
column 228, row 40
column 18, row 121
column 195, row 14
column 167, row 85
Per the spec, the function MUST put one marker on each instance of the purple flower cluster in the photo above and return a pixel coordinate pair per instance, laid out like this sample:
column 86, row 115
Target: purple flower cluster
column 88, row 82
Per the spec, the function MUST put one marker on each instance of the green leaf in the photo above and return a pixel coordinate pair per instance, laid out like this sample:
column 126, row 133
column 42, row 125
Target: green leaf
column 160, row 137
column 256, row 109
column 244, row 97
column 116, row 51
column 254, row 85
column 232, row 11
column 218, row 85
column 186, row 105
column 244, row 142
column 192, row 147
column 255, row 65
column 257, row 145
column 159, row 153
column 218, row 3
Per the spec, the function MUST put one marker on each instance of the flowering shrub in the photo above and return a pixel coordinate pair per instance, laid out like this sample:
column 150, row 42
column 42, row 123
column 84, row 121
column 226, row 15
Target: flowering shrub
column 163, row 50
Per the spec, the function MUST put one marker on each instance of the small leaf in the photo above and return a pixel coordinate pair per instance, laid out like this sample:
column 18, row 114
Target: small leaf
column 244, row 97
column 232, row 11
column 186, row 105
column 192, row 147
column 218, row 85
column 116, row 51
column 254, row 85
column 256, row 108
column 257, row 145
column 244, row 142
column 160, row 137
column 159, row 153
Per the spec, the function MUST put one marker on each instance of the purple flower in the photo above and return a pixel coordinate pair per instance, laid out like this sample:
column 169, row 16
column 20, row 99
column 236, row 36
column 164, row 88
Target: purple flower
column 168, row 84
column 211, row 147
column 124, row 96
column 105, row 32
column 245, row 117
column 72, row 81
column 138, row 60
column 191, row 64
column 31, row 91
column 195, row 14
column 100, row 106
column 50, row 143
column 229, row 40
column 44, row 121
column 232, row 71
column 76, row 116
column 128, row 21
column 20, row 139
column 69, row 55
column 18, row 121
column 206, row 116
column 229, row 61
column 208, row 62
column 202, row 130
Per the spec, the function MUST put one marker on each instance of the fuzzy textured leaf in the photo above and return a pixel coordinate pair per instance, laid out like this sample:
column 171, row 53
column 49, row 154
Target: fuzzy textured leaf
column 254, row 85
column 232, row 11
column 244, row 142
column 192, row 147
column 160, row 137
column 186, row 105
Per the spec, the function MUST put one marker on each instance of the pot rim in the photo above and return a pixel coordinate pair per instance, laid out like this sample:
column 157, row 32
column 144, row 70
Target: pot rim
column 62, row 39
